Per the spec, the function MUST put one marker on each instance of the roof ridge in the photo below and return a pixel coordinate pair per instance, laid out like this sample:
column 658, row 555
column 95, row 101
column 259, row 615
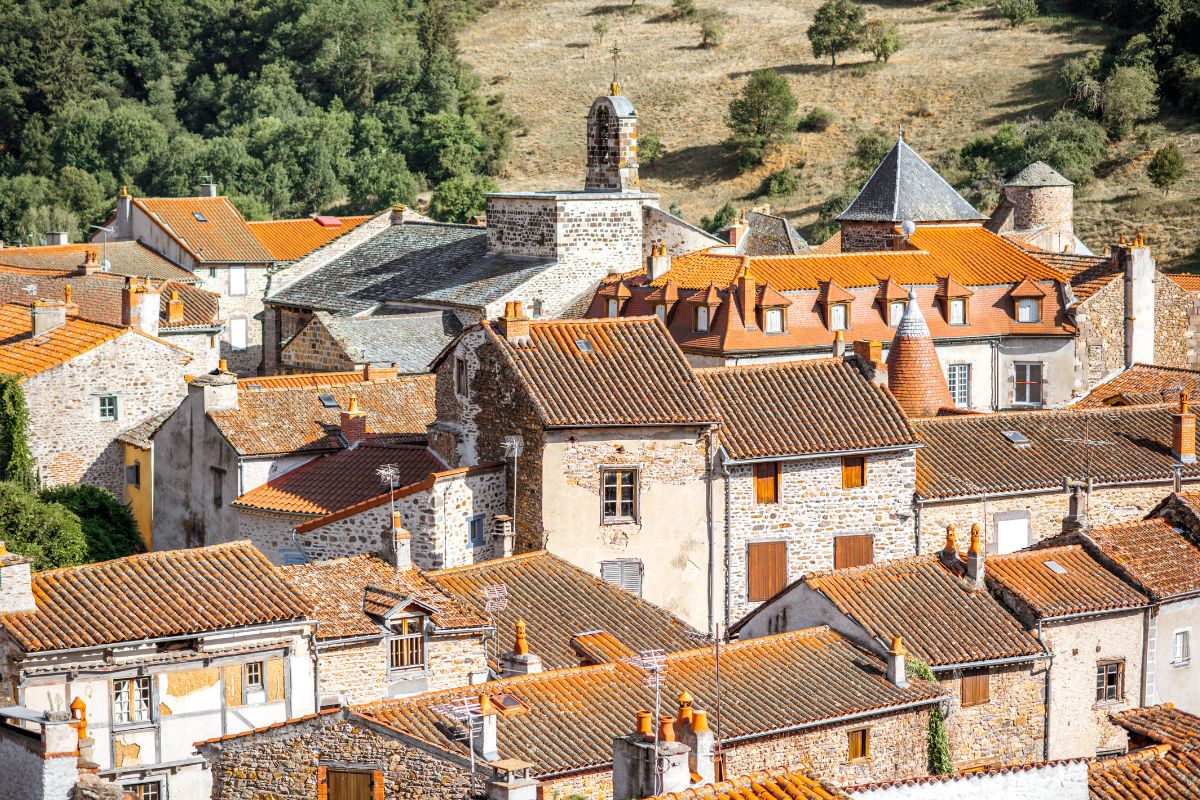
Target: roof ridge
column 156, row 555
column 1044, row 412
column 480, row 565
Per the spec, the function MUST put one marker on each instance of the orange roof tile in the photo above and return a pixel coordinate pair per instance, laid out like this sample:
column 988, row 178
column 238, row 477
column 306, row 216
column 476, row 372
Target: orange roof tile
column 223, row 236
column 315, row 379
column 1186, row 281
column 1162, row 724
column 168, row 593
column 127, row 259
column 1152, row 773
column 1142, row 384
column 1156, row 557
column 23, row 355
column 1082, row 585
column 600, row 647
column 293, row 239
column 790, row 784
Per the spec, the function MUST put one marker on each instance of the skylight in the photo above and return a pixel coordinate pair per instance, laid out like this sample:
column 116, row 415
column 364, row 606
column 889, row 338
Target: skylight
column 328, row 401
column 1015, row 437
column 584, row 346
column 1055, row 567
column 199, row 217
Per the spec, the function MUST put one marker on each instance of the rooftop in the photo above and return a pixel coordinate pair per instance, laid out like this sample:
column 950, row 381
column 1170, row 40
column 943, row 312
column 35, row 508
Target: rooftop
column 1039, row 173
column 1147, row 774
column 1058, row 581
column 1186, row 281
column 1142, row 384
column 768, row 234
column 128, row 259
column 209, row 228
column 903, row 187
column 1157, row 558
column 790, row 784
column 408, row 338
column 1162, row 724
column 293, row 239
column 167, row 593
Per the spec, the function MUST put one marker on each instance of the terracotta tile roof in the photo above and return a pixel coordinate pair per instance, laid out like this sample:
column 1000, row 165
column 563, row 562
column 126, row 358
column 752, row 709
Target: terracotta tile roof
column 1186, row 281
column 333, row 482
column 803, row 407
column 222, row 237
column 600, row 647
column 293, row 420
column 1088, row 274
column 788, row 785
column 632, row 373
column 1162, row 724
column 790, row 681
column 168, row 593
column 1142, row 384
column 335, row 590
column 21, row 354
column 127, row 259
column 942, row 618
column 1160, row 560
column 1083, row 584
column 1153, row 773
column 293, row 239
column 558, row 601
column 314, row 379
column 965, row 454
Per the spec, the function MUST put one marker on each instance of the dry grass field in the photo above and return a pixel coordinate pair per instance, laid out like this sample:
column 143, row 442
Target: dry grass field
column 960, row 73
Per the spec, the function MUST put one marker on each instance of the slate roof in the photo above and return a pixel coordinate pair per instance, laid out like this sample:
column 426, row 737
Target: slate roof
column 127, row 258
column 432, row 262
column 559, row 601
column 789, row 785
column 1162, row 724
column 1084, row 585
column 942, row 618
column 410, row 340
column 769, row 235
column 142, row 435
column 1153, row 773
column 167, row 593
column 803, row 407
column 292, row 239
column 1142, row 384
column 339, row 480
column 223, row 236
column 768, row 684
column 963, row 454
column 335, row 589
column 633, row 373
column 904, row 187
column 1156, row 557
column 1039, row 173
column 290, row 420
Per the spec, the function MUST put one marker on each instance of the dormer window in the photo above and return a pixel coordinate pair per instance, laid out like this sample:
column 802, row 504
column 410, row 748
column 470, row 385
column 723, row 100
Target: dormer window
column 839, row 316
column 773, row 320
column 1029, row 309
column 614, row 307
column 958, row 311
column 895, row 312
column 701, row 318
column 406, row 649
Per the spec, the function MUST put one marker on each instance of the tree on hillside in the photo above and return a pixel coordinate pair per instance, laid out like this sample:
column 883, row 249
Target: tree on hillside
column 1130, row 96
column 881, row 38
column 837, row 27
column 1071, row 144
column 1018, row 12
column 1166, row 167
column 760, row 117
column 869, row 150
column 460, row 198
column 49, row 533
column 724, row 216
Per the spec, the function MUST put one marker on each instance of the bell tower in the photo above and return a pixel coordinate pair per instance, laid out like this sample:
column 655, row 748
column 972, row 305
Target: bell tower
column 612, row 164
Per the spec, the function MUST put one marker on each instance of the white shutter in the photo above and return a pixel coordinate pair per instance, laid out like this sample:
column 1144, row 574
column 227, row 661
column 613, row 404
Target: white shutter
column 623, row 572
column 237, row 333
column 1011, row 535
column 237, row 279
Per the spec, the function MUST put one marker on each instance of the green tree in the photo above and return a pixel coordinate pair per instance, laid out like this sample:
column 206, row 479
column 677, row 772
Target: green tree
column 869, row 150
column 16, row 461
column 761, row 116
column 826, row 224
column 1068, row 142
column 460, row 198
column 650, row 148
column 1166, row 167
column 684, row 10
column 881, row 38
column 1018, row 12
column 711, row 34
column 601, row 30
column 1130, row 96
column 108, row 524
column 837, row 27
column 724, row 216
column 49, row 533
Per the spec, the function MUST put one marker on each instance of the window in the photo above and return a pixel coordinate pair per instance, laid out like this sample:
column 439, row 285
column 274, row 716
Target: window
column 701, row 318
column 854, row 472
column 625, row 573
column 1110, row 681
column 212, row 271
column 131, row 700
column 837, row 317
column 199, row 217
column 475, row 530
column 218, row 486
column 766, row 570
column 766, row 483
column 1182, row 652
column 254, row 675
column 133, row 474
column 773, row 320
column 407, row 647
column 976, row 687
column 1029, row 309
column 1012, row 531
column 860, row 744
column 660, row 311
column 614, row 307
column 149, row 790
column 895, row 312
column 1027, row 389
column 619, row 495
column 108, row 407
column 346, row 784
column 237, row 280
column 853, row 550
column 237, row 333
column 461, row 377
column 958, row 311
column 958, row 377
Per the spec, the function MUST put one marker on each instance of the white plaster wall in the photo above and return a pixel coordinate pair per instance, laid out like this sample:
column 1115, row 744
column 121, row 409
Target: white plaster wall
column 257, row 471
column 28, row 776
column 1175, row 683
column 1049, row 782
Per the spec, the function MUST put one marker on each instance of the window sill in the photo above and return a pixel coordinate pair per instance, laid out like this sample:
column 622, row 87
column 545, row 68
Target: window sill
column 132, row 727
column 1185, row 663
column 858, row 761
column 1110, row 703
column 408, row 673
column 619, row 521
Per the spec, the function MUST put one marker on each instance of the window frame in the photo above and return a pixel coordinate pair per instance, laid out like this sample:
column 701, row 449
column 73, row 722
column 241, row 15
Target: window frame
column 401, row 632
column 136, row 789
column 706, row 312
column 612, row 308
column 634, row 482
column 474, row 522
column 108, row 398
column 1184, row 659
column 462, row 378
column 1104, row 667
column 1028, row 382
column 893, row 319
column 966, row 383
column 847, row 470
column 845, row 311
column 977, row 679
column 251, row 685
column 218, row 486
column 134, row 470
column 761, row 479
column 951, row 304
column 660, row 311
column 853, row 744
column 774, row 313
column 770, row 589
column 1029, row 302
column 128, row 713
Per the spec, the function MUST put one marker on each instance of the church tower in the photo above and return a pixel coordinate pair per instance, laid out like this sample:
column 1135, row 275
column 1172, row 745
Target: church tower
column 612, row 164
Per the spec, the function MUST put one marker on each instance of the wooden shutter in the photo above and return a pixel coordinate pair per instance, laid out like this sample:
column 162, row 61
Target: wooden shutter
column 625, row 573
column 349, row 785
column 275, row 680
column 766, row 569
column 976, row 687
column 854, row 472
column 233, row 685
column 766, row 482
column 853, row 551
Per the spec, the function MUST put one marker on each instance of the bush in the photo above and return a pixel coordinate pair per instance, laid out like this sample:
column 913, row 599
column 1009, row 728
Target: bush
column 46, row 532
column 826, row 224
column 817, row 120
column 837, row 27
column 600, row 29
column 881, row 38
column 869, row 150
column 1166, row 167
column 108, row 524
column 460, row 198
column 782, row 183
column 1130, row 96
column 1018, row 12
column 684, row 9
column 1068, row 142
column 711, row 34
column 650, row 148
column 761, row 116
column 725, row 215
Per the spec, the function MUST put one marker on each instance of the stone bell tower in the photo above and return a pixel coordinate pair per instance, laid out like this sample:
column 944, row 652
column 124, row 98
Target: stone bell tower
column 612, row 164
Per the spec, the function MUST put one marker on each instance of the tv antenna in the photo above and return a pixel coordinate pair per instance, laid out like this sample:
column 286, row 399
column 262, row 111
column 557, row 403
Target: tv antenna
column 495, row 602
column 653, row 664
column 465, row 711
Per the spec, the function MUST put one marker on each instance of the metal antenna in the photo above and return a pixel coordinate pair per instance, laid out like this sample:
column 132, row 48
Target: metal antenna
column 653, row 663
column 495, row 602
column 718, row 756
column 390, row 475
column 466, row 712
column 616, row 52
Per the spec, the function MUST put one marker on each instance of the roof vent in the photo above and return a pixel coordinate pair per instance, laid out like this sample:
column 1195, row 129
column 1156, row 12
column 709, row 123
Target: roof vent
column 1016, row 439
column 1055, row 567
column 199, row 217
column 584, row 346
column 328, row 401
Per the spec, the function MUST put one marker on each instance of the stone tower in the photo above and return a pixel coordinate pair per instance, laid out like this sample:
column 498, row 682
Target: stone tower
column 612, row 164
column 915, row 375
column 1043, row 199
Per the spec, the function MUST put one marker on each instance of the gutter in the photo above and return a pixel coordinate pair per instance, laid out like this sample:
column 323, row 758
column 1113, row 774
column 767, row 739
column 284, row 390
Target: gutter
column 895, row 448
column 1049, row 683
column 1049, row 490
column 1085, row 614
column 711, row 457
column 993, row 662
column 264, row 628
column 693, row 424
column 724, row 456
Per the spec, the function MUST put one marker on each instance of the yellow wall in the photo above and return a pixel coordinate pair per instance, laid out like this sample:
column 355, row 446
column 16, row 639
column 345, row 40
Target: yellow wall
column 141, row 498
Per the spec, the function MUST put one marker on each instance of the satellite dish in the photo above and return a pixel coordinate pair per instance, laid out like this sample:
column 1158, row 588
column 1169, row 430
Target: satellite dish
column 30, row 289
column 908, row 228
column 106, row 265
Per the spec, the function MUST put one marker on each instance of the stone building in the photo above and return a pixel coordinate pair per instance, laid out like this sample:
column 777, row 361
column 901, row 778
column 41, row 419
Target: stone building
column 152, row 652
column 1164, row 757
column 608, row 437
column 807, row 485
column 1141, row 385
column 758, row 232
column 842, row 720
column 939, row 606
column 85, row 384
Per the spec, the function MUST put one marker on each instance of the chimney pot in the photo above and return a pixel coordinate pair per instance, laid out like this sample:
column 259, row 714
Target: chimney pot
column 644, row 727
column 949, row 552
column 513, row 325
column 519, row 661
column 56, row 238
column 666, row 728
column 502, row 535
column 896, row 669
column 223, row 365
column 1183, row 431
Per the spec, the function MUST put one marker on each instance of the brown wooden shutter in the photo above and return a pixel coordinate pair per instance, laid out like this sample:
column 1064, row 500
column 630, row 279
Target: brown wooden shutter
column 233, row 685
column 766, row 569
column 349, row 785
column 853, row 551
column 854, row 472
column 274, row 679
column 766, row 482
column 976, row 687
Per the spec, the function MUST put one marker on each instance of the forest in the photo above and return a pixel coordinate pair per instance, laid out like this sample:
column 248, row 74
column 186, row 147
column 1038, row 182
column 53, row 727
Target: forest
column 291, row 106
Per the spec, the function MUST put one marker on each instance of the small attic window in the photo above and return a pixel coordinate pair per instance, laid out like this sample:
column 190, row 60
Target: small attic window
column 254, row 386
column 1016, row 438
column 584, row 346
column 508, row 705
column 199, row 217
column 1055, row 567
column 328, row 401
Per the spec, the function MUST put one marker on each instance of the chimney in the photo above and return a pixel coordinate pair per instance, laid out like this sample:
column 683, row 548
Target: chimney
column 175, row 308
column 514, row 327
column 870, row 355
column 691, row 729
column 91, row 264
column 975, row 558
column 208, row 190
column 643, row 767
column 511, row 781
column 397, row 549
column 46, row 315
column 1138, row 267
column 519, row 661
column 489, row 748
column 402, row 213
column 1183, row 431
column 1076, row 519
column 915, row 374
column 949, row 553
column 353, row 423
column 16, row 584
column 839, row 344
column 131, row 303
column 748, row 290
column 216, row 391
column 658, row 263
column 123, row 219
column 896, row 674
column 55, row 238
column 738, row 229
column 151, row 308
column 503, row 537
column 70, row 306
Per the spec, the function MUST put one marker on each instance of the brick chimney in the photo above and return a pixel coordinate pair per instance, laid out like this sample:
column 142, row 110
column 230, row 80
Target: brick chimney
column 658, row 263
column 91, row 264
column 748, row 291
column 519, row 661
column 208, row 190
column 738, row 229
column 514, row 326
column 896, row 674
column 175, row 308
column 16, row 584
column 915, row 375
column 56, row 238
column 1183, row 431
column 353, row 422
column 503, row 537
column 975, row 558
column 46, row 315
column 870, row 357
column 644, row 767
column 140, row 306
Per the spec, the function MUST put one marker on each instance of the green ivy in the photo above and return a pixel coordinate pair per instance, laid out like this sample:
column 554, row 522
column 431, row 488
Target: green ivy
column 936, row 743
column 16, row 462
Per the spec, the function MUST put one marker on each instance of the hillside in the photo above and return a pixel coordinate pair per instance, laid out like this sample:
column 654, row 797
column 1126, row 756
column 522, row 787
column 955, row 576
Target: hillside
column 960, row 73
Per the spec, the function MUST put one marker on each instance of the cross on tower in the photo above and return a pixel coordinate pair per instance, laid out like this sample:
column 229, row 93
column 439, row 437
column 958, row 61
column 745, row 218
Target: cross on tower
column 616, row 83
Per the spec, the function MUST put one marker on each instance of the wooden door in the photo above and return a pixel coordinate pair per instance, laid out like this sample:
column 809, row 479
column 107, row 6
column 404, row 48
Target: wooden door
column 347, row 784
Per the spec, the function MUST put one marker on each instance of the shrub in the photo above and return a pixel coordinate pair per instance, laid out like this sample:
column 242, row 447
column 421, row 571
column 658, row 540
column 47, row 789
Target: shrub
column 1166, row 167
column 869, row 150
column 684, row 9
column 1018, row 12
column 460, row 198
column 826, row 224
column 725, row 215
column 46, row 532
column 600, row 29
column 837, row 27
column 760, row 116
column 711, row 34
column 1068, row 142
column 650, row 148
column 16, row 461
column 1130, row 96
column 782, row 183
column 108, row 524
column 881, row 38
column 817, row 120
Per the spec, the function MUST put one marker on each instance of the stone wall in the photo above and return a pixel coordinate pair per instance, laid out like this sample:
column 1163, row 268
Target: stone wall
column 358, row 672
column 659, row 227
column 314, row 350
column 612, row 152
column 1100, row 342
column 1176, row 325
column 1038, row 206
column 813, row 508
column 248, row 306
column 858, row 237
column 204, row 347
column 1010, row 728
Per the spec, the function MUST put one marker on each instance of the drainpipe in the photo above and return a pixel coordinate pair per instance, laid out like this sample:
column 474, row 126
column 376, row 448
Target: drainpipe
column 312, row 643
column 1046, row 718
column 1145, row 654
column 710, row 456
column 995, row 375
column 728, row 539
column 918, row 506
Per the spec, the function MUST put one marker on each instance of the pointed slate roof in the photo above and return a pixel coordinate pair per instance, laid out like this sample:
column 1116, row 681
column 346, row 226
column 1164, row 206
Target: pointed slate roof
column 1039, row 173
column 904, row 187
